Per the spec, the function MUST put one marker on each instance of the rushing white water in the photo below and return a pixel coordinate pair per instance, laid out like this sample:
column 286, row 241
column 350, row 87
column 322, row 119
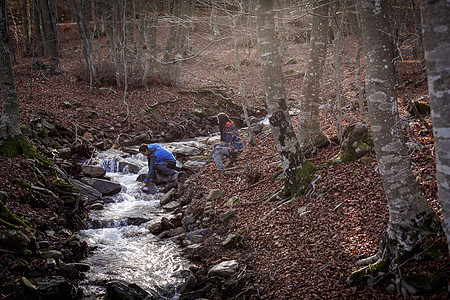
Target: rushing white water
column 130, row 252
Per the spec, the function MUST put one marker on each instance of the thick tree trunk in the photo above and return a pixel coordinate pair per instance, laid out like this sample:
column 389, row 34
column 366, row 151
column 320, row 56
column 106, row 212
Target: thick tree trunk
column 309, row 132
column 9, row 126
column 435, row 23
column 411, row 220
column 295, row 167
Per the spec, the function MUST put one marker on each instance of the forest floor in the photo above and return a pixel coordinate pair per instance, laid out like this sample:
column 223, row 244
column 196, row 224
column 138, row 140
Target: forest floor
column 284, row 255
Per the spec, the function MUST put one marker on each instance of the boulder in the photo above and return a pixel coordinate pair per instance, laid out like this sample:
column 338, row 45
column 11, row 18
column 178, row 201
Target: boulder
column 86, row 190
column 167, row 197
column 214, row 194
column 93, row 171
column 14, row 240
column 226, row 216
column 56, row 287
column 105, row 187
column 224, row 269
column 122, row 290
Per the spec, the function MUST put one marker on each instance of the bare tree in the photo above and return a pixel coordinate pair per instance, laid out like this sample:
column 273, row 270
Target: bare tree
column 411, row 220
column 81, row 16
column 9, row 126
column 47, row 8
column 309, row 132
column 296, row 169
column 436, row 32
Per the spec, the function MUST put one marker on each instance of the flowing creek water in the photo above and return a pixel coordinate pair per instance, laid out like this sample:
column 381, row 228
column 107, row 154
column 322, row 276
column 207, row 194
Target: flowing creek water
column 130, row 252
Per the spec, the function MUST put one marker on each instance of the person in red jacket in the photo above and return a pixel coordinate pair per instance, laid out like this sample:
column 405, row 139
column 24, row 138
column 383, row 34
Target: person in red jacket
column 230, row 141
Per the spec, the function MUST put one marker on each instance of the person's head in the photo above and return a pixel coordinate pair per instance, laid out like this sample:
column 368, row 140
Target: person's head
column 143, row 149
column 222, row 119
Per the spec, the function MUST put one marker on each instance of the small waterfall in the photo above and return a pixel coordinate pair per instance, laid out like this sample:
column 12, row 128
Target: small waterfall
column 124, row 248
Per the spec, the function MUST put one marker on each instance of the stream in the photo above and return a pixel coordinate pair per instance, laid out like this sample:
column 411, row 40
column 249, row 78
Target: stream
column 125, row 251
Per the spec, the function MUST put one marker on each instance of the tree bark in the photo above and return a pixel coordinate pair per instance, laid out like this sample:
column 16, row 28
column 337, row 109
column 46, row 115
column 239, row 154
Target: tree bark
column 410, row 217
column 309, row 132
column 81, row 16
column 9, row 126
column 435, row 24
column 50, row 35
column 295, row 167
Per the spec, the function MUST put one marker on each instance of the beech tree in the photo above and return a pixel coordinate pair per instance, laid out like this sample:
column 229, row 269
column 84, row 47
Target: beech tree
column 436, row 32
column 50, row 32
column 411, row 220
column 9, row 126
column 296, row 169
column 309, row 133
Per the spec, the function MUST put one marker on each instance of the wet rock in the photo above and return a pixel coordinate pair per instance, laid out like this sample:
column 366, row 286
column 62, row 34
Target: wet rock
column 56, row 287
column 96, row 206
column 137, row 221
column 93, row 171
column 224, row 269
column 122, row 290
column 188, row 285
column 73, row 270
column 128, row 167
column 155, row 227
column 88, row 191
column 105, row 187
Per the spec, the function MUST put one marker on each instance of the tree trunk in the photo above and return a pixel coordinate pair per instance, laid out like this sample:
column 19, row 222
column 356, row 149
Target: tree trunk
column 309, row 132
column 435, row 21
column 149, row 24
column 9, row 126
column 411, row 220
column 26, row 16
column 82, row 19
column 295, row 167
column 50, row 35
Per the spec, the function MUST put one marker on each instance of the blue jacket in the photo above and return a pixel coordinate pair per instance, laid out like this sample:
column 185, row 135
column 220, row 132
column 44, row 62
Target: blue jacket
column 157, row 154
column 231, row 138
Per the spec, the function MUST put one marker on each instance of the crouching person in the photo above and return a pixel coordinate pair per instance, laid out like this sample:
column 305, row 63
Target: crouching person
column 160, row 161
column 230, row 142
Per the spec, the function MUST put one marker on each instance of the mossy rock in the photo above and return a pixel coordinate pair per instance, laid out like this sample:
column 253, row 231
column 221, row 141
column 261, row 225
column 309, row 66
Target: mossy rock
column 356, row 144
column 68, row 193
column 14, row 240
column 426, row 282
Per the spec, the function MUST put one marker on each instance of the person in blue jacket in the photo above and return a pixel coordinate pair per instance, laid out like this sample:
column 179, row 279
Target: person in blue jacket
column 159, row 160
column 230, row 141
